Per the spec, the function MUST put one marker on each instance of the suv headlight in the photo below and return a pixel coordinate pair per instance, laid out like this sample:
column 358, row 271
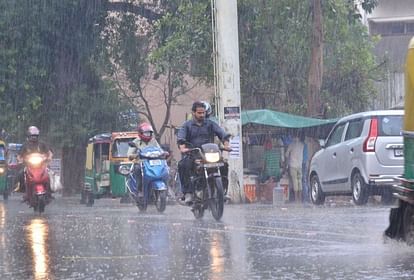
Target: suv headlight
column 212, row 157
column 2, row 170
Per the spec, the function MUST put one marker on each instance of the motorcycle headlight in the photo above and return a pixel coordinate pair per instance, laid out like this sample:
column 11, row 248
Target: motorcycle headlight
column 35, row 159
column 212, row 157
column 2, row 170
column 123, row 169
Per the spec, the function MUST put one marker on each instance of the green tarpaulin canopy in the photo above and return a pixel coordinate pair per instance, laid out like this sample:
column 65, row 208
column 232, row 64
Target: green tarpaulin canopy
column 279, row 119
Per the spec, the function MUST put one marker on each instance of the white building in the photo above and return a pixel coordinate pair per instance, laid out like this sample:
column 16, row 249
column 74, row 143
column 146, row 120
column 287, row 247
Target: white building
column 393, row 21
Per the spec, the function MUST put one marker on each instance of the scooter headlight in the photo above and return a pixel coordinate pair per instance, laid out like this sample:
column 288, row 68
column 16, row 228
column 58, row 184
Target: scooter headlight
column 2, row 170
column 35, row 159
column 123, row 169
column 212, row 157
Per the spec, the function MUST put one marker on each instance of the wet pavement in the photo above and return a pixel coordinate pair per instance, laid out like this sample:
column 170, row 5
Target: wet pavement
column 253, row 241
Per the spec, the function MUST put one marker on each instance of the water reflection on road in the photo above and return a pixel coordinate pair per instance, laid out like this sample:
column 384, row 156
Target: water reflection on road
column 37, row 237
column 113, row 241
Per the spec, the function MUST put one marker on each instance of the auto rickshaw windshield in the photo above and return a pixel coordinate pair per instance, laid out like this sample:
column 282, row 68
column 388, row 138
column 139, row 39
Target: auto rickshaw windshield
column 120, row 147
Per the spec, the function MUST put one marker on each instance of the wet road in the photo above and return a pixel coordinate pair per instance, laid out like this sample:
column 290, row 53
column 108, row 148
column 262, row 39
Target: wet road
column 114, row 241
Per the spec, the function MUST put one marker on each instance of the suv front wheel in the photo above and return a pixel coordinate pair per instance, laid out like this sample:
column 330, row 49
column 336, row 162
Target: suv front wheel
column 359, row 189
column 317, row 195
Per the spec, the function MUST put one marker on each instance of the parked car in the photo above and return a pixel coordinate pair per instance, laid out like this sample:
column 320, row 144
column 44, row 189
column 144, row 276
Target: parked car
column 361, row 156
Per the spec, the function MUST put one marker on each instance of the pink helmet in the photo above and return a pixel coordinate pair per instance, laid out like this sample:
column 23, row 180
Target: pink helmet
column 145, row 132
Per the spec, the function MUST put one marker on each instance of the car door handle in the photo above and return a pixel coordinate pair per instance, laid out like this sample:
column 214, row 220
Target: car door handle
column 352, row 150
column 334, row 154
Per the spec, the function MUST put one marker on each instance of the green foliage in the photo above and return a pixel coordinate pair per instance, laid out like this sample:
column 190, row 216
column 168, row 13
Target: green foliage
column 275, row 51
column 49, row 70
column 183, row 38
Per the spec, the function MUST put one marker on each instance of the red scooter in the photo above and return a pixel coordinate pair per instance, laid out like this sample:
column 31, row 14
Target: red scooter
column 37, row 181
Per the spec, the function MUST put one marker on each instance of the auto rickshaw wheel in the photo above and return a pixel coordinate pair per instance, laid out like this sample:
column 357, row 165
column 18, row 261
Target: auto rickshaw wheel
column 408, row 224
column 90, row 199
column 6, row 194
column 83, row 197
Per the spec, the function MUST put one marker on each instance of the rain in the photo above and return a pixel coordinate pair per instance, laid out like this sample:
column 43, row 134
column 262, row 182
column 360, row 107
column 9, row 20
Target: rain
column 274, row 80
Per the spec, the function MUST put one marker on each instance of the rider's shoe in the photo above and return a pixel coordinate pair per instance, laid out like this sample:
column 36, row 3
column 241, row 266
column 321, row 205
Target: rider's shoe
column 188, row 198
column 227, row 198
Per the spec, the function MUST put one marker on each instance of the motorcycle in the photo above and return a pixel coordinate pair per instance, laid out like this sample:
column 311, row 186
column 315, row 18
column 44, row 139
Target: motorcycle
column 207, row 182
column 154, row 174
column 36, row 180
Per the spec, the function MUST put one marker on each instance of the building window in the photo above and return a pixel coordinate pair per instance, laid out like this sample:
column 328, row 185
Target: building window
column 391, row 28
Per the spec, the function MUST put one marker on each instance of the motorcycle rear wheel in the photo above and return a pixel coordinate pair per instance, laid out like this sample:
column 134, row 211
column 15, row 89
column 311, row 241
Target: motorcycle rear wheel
column 216, row 202
column 161, row 200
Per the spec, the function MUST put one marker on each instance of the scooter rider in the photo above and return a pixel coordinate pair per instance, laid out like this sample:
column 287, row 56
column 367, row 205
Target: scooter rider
column 32, row 145
column 198, row 131
column 145, row 138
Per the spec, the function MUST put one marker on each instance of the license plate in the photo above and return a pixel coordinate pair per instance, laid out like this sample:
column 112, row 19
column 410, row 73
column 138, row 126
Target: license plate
column 398, row 152
column 153, row 162
column 211, row 165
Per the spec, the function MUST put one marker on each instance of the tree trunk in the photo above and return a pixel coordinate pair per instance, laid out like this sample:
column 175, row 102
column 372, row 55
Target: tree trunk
column 316, row 62
column 73, row 169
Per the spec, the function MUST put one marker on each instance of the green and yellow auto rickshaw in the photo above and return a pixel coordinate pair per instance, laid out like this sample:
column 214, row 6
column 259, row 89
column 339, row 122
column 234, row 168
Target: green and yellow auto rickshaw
column 4, row 190
column 106, row 155
column 402, row 218
column 13, row 164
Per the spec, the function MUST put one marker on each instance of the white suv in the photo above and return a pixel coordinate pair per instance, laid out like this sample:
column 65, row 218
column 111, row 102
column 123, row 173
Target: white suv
column 361, row 156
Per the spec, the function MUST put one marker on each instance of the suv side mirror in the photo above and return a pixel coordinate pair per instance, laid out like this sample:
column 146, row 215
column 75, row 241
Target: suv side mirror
column 322, row 143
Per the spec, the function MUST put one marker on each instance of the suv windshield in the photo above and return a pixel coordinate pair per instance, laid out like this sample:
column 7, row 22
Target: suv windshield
column 390, row 125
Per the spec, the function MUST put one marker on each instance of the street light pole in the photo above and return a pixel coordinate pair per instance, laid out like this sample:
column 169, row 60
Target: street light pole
column 227, row 75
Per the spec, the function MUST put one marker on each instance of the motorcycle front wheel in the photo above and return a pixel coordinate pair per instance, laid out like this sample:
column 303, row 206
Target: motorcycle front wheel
column 216, row 201
column 161, row 200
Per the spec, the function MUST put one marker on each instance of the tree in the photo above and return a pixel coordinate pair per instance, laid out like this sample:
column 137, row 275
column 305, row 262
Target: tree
column 276, row 58
column 315, row 73
column 316, row 62
column 161, row 55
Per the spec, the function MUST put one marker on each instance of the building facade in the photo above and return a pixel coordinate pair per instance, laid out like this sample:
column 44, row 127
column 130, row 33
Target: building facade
column 393, row 22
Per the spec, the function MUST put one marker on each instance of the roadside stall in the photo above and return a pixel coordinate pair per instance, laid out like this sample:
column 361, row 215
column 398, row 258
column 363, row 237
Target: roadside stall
column 266, row 134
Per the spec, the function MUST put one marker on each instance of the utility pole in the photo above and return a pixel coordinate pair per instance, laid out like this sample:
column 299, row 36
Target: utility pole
column 227, row 87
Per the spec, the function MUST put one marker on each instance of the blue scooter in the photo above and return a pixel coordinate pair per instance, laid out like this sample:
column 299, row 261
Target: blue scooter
column 155, row 173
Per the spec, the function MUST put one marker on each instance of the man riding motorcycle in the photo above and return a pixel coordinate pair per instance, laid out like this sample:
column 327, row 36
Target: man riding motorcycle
column 32, row 145
column 198, row 131
column 145, row 138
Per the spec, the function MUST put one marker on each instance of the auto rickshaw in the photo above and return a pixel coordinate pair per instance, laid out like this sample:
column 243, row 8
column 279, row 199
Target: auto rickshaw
column 402, row 218
column 3, row 171
column 106, row 157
